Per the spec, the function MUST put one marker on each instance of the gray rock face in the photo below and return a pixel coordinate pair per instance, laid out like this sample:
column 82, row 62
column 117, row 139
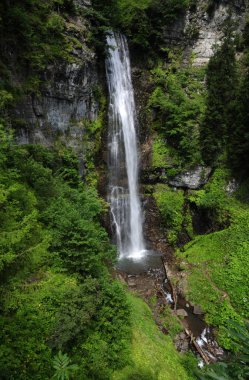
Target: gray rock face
column 192, row 179
column 208, row 23
column 66, row 100
column 202, row 27
column 82, row 3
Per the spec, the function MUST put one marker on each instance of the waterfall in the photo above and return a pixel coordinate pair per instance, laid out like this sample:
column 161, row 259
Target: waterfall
column 123, row 155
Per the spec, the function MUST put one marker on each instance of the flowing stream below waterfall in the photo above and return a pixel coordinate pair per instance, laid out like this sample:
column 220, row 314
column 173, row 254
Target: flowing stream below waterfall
column 142, row 268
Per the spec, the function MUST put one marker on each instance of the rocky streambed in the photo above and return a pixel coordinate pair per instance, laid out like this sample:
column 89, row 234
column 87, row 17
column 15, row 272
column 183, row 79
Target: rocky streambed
column 151, row 278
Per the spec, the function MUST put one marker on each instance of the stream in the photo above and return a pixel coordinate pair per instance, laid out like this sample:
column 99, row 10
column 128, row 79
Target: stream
column 147, row 277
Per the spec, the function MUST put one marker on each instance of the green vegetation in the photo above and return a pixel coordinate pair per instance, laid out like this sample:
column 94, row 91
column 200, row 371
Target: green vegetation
column 153, row 354
column 170, row 204
column 35, row 34
column 216, row 125
column 202, row 121
column 143, row 21
column 238, row 147
column 92, row 139
column 221, row 107
column 160, row 153
column 35, row 30
column 164, row 156
column 63, row 367
column 216, row 263
column 170, row 322
column 224, row 131
column 62, row 316
column 179, row 102
column 56, row 293
column 236, row 366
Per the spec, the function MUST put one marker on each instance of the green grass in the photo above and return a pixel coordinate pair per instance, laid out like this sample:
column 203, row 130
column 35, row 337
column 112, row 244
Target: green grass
column 153, row 354
column 217, row 263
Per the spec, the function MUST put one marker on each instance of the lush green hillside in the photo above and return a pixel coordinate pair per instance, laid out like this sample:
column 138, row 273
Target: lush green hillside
column 153, row 354
column 56, row 293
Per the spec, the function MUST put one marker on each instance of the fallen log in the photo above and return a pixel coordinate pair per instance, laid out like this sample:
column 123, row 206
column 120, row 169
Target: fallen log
column 197, row 346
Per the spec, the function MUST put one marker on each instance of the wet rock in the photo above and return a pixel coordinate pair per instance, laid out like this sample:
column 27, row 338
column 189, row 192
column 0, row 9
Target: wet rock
column 132, row 282
column 182, row 335
column 192, row 179
column 121, row 278
column 232, row 186
column 197, row 310
column 149, row 293
column 181, row 313
column 181, row 342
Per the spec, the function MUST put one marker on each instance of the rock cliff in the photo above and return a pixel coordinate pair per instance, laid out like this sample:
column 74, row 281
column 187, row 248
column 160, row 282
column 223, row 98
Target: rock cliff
column 66, row 98
column 205, row 25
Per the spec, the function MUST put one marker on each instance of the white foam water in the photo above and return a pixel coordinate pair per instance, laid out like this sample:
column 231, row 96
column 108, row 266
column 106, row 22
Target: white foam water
column 123, row 154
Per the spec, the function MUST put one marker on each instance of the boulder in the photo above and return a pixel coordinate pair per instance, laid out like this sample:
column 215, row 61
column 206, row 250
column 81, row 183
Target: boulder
column 192, row 179
column 232, row 186
column 181, row 313
column 197, row 310
column 132, row 282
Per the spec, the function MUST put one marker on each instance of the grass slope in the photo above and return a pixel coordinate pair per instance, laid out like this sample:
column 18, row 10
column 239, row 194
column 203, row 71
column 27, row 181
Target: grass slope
column 217, row 263
column 154, row 355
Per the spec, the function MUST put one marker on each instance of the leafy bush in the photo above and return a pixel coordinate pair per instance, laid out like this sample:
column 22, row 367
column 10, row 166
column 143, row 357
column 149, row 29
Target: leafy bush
column 213, row 199
column 170, row 204
column 178, row 100
column 164, row 156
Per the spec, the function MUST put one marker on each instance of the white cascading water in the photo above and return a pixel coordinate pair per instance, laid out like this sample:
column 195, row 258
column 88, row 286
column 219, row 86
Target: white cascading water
column 123, row 154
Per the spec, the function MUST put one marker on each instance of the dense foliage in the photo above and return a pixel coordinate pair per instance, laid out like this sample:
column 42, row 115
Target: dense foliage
column 35, row 34
column 153, row 353
column 192, row 126
column 179, row 103
column 143, row 21
column 221, row 82
column 238, row 148
column 224, row 131
column 33, row 30
column 202, row 115
column 56, row 293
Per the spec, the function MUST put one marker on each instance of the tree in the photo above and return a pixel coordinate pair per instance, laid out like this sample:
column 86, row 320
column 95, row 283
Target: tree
column 221, row 87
